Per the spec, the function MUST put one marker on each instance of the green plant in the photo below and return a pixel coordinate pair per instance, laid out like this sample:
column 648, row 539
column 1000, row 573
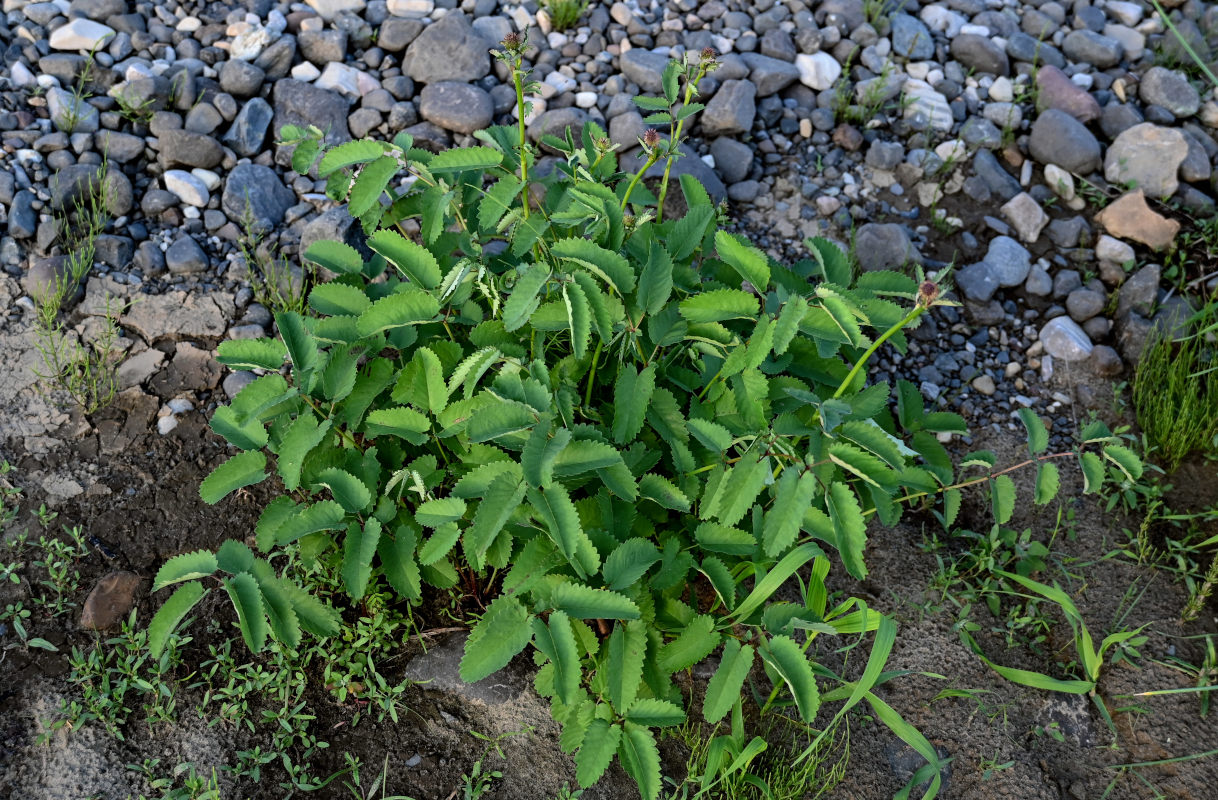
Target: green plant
column 193, row 786
column 58, row 560
column 1176, row 404
column 1090, row 657
column 17, row 615
column 87, row 371
column 380, row 783
column 564, row 14
column 1195, row 62
column 581, row 417
column 10, row 496
column 276, row 285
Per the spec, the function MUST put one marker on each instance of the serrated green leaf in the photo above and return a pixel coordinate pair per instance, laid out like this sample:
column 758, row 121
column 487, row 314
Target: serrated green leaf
column 320, row 516
column 185, row 567
column 655, row 713
column 277, row 602
column 501, row 633
column 724, row 688
column 349, row 154
column 662, row 491
column 600, row 744
column 641, row 759
column 724, row 539
column 302, row 436
column 251, row 618
column 718, row 305
column 584, row 602
column 793, row 496
column 556, row 641
column 243, row 469
column 439, row 544
column 499, row 420
column 625, row 651
column 579, row 318
column 655, row 282
column 399, row 310
column 412, row 260
column 350, row 492
column 313, row 615
column 370, row 184
column 248, row 434
column 170, row 615
column 748, row 261
column 862, row 464
column 1047, row 483
column 398, row 563
column 711, row 435
column 252, row 353
column 1125, row 460
column 1093, row 472
column 304, row 155
column 359, row 547
column 584, row 455
column 849, row 528
column 234, row 556
column 434, row 513
column 335, row 256
column 523, row 300
column 338, row 299
column 740, row 488
column 631, row 394
column 789, row 661
column 404, row 423
column 1038, row 437
column 628, row 562
column 610, row 267
column 461, row 159
column 1002, row 498
column 698, row 640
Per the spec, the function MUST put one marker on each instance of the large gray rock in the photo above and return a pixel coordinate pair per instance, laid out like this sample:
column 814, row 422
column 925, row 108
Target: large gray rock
column 884, row 246
column 733, row 159
column 730, row 112
column 178, row 147
column 455, row 106
column 997, row 179
column 258, row 191
column 556, row 121
column 644, row 68
column 1058, row 138
column 1065, row 340
column 1092, row 48
column 977, row 281
column 769, row 75
column 1149, row 156
column 299, row 103
column 448, row 50
column 248, row 132
column 1164, row 87
column 1009, row 261
column 911, row 38
column 980, row 53
column 185, row 256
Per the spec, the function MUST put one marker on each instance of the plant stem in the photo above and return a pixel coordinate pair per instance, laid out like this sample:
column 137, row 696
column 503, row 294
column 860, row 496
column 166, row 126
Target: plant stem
column 651, row 159
column 690, row 87
column 858, row 365
column 517, row 79
column 596, row 355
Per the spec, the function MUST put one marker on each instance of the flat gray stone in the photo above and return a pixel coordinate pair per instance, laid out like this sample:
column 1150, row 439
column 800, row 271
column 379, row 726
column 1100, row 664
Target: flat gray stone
column 1065, row 340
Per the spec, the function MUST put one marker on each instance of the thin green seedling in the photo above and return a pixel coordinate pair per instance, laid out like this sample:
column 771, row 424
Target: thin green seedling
column 564, row 14
column 1188, row 48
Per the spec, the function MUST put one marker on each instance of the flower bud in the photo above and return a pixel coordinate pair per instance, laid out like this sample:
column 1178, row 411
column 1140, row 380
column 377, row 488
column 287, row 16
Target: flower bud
column 928, row 293
column 651, row 137
column 709, row 54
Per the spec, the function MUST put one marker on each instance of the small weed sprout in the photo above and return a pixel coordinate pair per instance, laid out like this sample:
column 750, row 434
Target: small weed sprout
column 564, row 14
column 275, row 282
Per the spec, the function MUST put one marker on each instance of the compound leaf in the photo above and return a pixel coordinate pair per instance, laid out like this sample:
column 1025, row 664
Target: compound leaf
column 501, row 633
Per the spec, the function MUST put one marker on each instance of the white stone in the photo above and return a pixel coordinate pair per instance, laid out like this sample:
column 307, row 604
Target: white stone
column 329, row 9
column 249, row 45
column 1133, row 42
column 21, row 76
column 210, row 179
column 922, row 99
column 952, row 150
column 1128, row 13
column 304, row 71
column 586, row 99
column 186, row 187
column 1001, row 90
column 1082, row 79
column 979, row 30
column 80, row 34
column 918, row 70
column 621, row 13
column 190, row 24
column 521, row 16
column 560, row 82
column 411, row 8
column 180, row 405
column 938, row 18
column 818, row 71
column 1060, row 181
column 1064, row 339
column 556, row 40
column 340, row 78
column 166, row 424
column 312, row 25
column 1113, row 250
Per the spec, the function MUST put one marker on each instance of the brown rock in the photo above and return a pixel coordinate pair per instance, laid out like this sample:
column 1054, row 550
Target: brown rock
column 192, row 370
column 1131, row 218
column 1058, row 91
column 847, row 137
column 110, row 601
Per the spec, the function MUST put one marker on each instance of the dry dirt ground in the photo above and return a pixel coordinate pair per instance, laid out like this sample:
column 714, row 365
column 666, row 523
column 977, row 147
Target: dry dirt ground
column 135, row 494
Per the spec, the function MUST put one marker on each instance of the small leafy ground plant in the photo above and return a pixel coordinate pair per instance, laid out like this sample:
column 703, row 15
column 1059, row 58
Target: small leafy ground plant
column 644, row 443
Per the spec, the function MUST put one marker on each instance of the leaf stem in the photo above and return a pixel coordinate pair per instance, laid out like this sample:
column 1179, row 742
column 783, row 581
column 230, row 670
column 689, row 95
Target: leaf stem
column 517, row 79
column 690, row 88
column 914, row 313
